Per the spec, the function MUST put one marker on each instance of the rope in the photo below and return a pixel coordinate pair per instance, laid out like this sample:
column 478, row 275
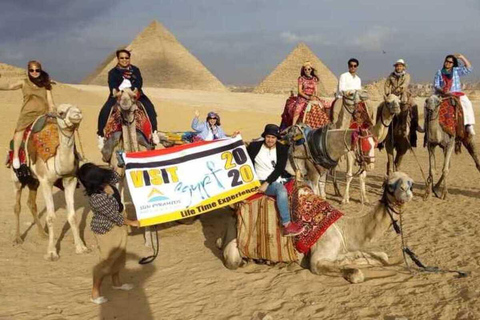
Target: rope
column 82, row 153
column 149, row 259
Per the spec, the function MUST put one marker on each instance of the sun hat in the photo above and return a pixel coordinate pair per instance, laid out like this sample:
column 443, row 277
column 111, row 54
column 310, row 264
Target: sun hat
column 400, row 61
column 271, row 129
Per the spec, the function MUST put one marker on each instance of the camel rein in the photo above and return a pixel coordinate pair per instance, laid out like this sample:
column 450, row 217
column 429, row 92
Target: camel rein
column 405, row 249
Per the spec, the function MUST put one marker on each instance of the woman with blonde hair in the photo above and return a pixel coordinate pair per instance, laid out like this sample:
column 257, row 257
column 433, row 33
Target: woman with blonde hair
column 37, row 101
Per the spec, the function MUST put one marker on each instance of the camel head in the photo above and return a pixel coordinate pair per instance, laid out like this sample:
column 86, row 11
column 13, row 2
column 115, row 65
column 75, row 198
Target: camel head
column 398, row 188
column 127, row 99
column 392, row 102
column 68, row 116
column 432, row 103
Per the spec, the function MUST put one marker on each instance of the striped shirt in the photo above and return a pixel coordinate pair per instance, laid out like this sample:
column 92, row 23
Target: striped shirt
column 106, row 210
column 438, row 82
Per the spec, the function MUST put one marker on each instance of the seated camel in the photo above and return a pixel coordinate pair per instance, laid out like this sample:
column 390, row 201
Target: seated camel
column 342, row 243
column 51, row 156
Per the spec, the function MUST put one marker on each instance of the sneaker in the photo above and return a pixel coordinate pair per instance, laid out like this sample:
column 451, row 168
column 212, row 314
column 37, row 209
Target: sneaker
column 293, row 229
column 100, row 142
column 470, row 130
column 155, row 138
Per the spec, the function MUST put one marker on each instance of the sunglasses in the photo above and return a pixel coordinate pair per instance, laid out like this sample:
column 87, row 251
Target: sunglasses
column 124, row 58
column 353, row 65
column 211, row 118
column 308, row 69
column 449, row 61
column 34, row 70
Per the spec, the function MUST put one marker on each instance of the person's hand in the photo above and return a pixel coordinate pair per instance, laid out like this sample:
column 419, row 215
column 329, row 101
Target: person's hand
column 235, row 133
column 108, row 189
column 197, row 114
column 135, row 223
column 458, row 55
column 263, row 187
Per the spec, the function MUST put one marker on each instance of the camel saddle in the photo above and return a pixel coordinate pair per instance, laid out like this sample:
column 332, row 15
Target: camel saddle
column 259, row 233
column 450, row 117
column 359, row 112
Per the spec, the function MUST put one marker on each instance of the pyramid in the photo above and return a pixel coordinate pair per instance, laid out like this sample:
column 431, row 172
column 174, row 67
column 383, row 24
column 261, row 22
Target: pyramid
column 11, row 73
column 284, row 78
column 163, row 62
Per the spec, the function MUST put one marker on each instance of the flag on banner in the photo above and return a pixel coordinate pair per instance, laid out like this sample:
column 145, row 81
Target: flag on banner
column 188, row 180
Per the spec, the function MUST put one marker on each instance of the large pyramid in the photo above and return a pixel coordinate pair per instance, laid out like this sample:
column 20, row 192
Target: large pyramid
column 163, row 61
column 284, row 78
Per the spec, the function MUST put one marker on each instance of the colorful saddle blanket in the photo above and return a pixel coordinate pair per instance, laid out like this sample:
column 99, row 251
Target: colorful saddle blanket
column 259, row 233
column 45, row 142
column 142, row 122
column 450, row 116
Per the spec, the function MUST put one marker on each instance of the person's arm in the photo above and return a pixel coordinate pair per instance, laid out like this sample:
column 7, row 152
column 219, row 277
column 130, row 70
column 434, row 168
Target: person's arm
column 387, row 88
column 138, row 79
column 300, row 89
column 467, row 66
column 132, row 223
column 406, row 83
column 51, row 105
column 437, row 81
column 221, row 133
column 11, row 86
column 342, row 85
column 112, row 82
column 197, row 125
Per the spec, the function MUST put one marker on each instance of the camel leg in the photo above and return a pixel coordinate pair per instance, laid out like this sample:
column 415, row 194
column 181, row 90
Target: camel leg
column 322, row 182
column 431, row 169
column 390, row 156
column 231, row 255
column 470, row 146
column 401, row 151
column 17, row 209
column 448, row 151
column 70, row 183
column 349, row 176
column 32, row 205
column 335, row 182
column 52, row 254
column 363, row 189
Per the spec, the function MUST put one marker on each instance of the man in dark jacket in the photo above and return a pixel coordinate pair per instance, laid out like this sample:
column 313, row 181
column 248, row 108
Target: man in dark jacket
column 269, row 158
column 125, row 75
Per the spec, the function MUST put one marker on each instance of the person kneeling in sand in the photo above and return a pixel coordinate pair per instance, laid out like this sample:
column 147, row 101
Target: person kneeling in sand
column 269, row 158
column 108, row 225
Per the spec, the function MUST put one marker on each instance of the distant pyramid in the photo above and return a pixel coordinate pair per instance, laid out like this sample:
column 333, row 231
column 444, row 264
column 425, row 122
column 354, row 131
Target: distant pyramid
column 163, row 61
column 9, row 72
column 284, row 77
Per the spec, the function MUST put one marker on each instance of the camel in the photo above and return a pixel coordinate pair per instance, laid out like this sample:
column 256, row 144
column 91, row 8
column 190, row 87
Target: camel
column 385, row 113
column 61, row 166
column 397, row 141
column 342, row 243
column 130, row 140
column 436, row 136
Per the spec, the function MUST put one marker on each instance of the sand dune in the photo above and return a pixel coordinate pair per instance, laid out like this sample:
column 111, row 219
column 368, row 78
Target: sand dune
column 188, row 279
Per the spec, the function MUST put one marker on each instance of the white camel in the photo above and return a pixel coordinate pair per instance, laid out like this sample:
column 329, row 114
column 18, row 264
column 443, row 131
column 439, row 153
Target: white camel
column 130, row 140
column 61, row 166
column 386, row 111
column 342, row 243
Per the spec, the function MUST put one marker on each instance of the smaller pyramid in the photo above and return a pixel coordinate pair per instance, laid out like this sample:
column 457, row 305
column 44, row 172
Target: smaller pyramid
column 163, row 61
column 11, row 73
column 284, row 77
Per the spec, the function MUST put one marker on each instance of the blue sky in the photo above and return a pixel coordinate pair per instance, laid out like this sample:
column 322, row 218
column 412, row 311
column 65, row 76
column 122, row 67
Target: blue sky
column 241, row 41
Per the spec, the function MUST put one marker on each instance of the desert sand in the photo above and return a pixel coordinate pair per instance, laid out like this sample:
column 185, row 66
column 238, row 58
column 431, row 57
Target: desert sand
column 188, row 279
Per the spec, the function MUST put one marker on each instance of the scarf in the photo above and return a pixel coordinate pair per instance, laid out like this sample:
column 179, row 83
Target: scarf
column 446, row 73
column 399, row 74
column 214, row 130
column 126, row 72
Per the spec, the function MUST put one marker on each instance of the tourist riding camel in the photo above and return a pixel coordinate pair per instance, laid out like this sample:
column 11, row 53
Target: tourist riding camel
column 125, row 75
column 447, row 82
column 270, row 159
column 37, row 101
column 296, row 107
column 349, row 81
column 210, row 129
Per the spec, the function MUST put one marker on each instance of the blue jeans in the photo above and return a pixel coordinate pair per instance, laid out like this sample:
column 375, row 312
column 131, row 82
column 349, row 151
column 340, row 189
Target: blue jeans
column 278, row 190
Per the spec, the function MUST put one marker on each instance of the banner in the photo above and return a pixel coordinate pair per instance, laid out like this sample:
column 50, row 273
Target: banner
column 188, row 180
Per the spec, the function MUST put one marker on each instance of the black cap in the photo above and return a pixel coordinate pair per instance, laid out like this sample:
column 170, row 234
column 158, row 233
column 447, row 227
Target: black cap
column 271, row 129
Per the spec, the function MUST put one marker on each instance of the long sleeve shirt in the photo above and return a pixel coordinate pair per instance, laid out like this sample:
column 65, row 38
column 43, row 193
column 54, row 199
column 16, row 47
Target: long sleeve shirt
column 397, row 85
column 439, row 84
column 106, row 210
column 348, row 82
column 205, row 132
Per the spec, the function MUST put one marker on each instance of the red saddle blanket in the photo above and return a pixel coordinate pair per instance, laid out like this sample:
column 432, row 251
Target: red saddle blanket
column 142, row 122
column 450, row 116
column 259, row 232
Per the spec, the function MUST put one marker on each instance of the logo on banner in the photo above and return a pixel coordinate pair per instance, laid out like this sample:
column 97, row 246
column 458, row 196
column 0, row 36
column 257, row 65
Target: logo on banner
column 156, row 196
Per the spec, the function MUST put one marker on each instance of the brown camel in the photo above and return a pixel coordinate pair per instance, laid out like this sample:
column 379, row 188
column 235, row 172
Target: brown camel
column 436, row 136
column 62, row 166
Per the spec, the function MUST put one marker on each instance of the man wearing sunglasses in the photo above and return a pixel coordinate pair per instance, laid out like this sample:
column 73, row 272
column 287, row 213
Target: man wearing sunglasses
column 270, row 159
column 349, row 81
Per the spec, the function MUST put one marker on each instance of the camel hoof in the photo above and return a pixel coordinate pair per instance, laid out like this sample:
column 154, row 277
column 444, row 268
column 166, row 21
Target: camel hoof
column 353, row 275
column 51, row 256
column 345, row 201
column 17, row 241
column 439, row 194
column 82, row 249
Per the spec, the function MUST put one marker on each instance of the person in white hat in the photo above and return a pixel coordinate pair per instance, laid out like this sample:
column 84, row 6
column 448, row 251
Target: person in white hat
column 397, row 83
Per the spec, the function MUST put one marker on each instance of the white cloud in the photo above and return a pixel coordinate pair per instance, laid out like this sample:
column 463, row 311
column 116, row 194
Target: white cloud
column 290, row 37
column 374, row 39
